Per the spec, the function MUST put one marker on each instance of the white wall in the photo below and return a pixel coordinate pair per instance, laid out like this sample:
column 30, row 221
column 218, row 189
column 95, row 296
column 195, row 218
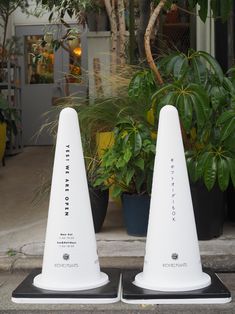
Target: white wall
column 205, row 38
column 19, row 18
column 98, row 47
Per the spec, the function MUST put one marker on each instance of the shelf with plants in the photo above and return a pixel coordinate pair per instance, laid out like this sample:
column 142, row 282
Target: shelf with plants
column 10, row 90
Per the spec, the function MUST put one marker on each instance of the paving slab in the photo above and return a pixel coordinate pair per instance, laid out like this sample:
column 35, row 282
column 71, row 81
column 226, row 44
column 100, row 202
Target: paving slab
column 9, row 281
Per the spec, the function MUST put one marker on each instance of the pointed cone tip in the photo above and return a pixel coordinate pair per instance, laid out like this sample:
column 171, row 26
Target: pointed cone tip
column 68, row 112
column 169, row 109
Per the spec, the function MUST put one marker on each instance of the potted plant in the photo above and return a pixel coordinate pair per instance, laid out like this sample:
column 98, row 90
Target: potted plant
column 127, row 167
column 3, row 128
column 99, row 118
column 204, row 97
column 8, row 125
column 98, row 197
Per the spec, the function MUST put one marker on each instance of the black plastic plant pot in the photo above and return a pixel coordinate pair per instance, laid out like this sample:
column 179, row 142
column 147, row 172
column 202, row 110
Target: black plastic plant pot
column 209, row 210
column 99, row 204
column 136, row 213
column 230, row 198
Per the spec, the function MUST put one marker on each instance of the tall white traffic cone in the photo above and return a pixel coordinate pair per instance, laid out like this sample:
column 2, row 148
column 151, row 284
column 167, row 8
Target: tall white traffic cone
column 70, row 259
column 172, row 259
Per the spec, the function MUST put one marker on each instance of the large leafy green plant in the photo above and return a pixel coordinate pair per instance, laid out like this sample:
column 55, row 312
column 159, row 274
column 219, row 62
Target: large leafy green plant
column 127, row 166
column 204, row 97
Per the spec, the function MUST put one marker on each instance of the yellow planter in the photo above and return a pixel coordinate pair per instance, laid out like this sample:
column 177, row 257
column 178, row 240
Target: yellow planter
column 103, row 141
column 3, row 136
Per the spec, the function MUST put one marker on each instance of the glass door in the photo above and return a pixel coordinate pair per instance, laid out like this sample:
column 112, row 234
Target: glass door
column 46, row 77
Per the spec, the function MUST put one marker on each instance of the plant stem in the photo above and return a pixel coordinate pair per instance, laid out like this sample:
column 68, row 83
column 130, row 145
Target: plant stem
column 149, row 29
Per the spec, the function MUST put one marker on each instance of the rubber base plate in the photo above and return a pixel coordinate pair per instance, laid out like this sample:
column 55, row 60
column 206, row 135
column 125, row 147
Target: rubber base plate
column 215, row 293
column 26, row 292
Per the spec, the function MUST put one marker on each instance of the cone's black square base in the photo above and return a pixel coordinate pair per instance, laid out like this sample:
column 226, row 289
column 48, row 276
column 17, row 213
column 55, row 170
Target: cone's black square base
column 26, row 292
column 213, row 294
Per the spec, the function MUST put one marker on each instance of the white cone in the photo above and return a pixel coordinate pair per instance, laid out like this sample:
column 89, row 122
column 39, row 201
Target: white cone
column 172, row 259
column 70, row 259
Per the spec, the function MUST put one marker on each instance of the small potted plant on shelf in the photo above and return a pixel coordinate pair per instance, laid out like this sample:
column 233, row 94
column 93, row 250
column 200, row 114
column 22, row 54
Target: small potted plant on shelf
column 127, row 167
column 8, row 125
column 3, row 128
column 204, row 97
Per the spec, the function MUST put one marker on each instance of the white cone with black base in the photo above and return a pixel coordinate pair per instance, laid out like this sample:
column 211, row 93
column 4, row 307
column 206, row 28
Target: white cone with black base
column 172, row 260
column 70, row 261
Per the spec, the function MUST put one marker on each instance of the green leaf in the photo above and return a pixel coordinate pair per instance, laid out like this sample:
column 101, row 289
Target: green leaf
column 231, row 163
column 201, row 165
column 116, row 191
column 137, row 143
column 127, row 155
column 100, row 181
column 202, row 98
column 139, row 163
column 199, row 69
column 223, row 174
column 161, row 91
column 186, row 111
column 218, row 96
column 225, row 116
column 213, row 63
column 229, row 143
column 203, row 9
column 228, row 85
column 191, row 165
column 197, row 106
column 120, row 162
column 180, row 67
column 228, row 129
column 170, row 65
column 139, row 180
column 129, row 175
column 210, row 172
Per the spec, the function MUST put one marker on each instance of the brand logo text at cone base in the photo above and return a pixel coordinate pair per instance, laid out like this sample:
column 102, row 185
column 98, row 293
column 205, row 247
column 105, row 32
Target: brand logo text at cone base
column 70, row 259
column 172, row 259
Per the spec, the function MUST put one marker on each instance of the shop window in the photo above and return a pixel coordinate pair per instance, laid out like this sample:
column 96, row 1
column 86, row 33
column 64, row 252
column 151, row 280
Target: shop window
column 40, row 59
column 75, row 55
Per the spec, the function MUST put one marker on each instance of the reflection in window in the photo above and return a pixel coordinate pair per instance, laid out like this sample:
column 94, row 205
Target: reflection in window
column 40, row 59
column 74, row 43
